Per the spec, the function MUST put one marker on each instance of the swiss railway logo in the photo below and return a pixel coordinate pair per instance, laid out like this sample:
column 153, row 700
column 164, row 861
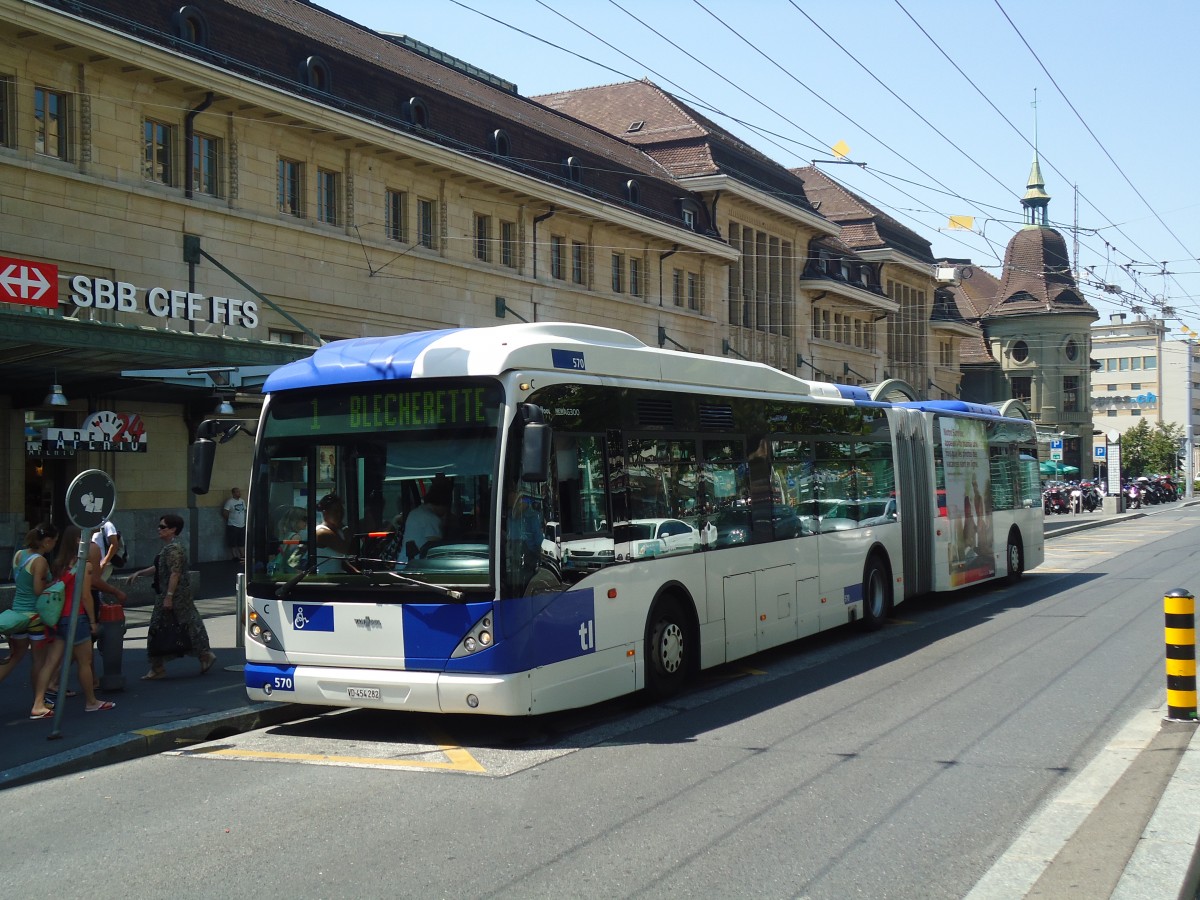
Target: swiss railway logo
column 28, row 283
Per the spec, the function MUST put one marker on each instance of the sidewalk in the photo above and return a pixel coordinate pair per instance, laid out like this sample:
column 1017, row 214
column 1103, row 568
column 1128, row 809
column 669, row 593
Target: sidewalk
column 150, row 716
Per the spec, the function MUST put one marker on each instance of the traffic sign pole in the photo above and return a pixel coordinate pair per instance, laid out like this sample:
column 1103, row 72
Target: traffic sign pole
column 91, row 498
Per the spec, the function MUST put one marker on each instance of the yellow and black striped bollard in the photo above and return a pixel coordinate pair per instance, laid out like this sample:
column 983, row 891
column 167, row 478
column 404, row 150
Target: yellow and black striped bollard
column 1180, row 608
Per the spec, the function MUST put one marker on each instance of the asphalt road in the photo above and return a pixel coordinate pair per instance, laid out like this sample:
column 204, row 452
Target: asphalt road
column 903, row 763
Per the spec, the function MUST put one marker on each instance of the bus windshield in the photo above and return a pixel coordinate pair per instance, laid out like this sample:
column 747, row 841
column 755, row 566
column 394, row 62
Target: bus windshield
column 385, row 485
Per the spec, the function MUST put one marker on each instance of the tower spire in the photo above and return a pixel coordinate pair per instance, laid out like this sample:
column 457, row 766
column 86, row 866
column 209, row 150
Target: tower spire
column 1036, row 200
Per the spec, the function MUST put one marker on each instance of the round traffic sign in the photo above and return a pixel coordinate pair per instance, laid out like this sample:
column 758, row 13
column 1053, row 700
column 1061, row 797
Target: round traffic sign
column 91, row 498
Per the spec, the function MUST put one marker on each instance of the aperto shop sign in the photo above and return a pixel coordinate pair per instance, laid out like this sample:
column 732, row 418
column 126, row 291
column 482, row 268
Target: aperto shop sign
column 102, row 432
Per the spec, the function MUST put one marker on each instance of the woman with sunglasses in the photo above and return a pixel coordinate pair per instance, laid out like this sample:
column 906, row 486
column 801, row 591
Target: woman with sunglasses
column 170, row 569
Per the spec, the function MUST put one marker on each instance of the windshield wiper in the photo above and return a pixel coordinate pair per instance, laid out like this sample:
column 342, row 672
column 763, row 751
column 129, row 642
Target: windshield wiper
column 404, row 579
column 284, row 589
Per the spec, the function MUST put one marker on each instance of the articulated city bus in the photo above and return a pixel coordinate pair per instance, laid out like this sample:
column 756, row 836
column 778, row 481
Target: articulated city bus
column 528, row 518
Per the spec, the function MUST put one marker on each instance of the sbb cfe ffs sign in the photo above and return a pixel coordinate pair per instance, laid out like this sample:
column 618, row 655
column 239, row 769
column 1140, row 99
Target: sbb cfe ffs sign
column 162, row 303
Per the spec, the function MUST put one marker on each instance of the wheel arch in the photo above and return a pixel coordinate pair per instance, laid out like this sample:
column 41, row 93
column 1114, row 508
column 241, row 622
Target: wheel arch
column 677, row 590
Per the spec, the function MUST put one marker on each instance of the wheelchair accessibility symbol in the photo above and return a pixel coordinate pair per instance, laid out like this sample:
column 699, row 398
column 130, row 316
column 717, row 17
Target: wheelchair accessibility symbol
column 312, row 617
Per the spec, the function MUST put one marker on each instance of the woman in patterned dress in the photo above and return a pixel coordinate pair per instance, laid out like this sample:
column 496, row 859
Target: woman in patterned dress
column 171, row 569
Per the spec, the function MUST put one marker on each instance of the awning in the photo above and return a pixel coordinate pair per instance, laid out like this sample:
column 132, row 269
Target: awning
column 38, row 349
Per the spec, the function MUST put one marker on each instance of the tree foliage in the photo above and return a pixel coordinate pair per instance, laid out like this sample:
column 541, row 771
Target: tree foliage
column 1147, row 450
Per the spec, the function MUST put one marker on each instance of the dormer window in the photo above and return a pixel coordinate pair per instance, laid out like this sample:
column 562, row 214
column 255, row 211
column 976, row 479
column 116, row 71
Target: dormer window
column 573, row 170
column 633, row 192
column 689, row 213
column 1020, row 351
column 418, row 112
column 314, row 73
column 191, row 26
column 498, row 142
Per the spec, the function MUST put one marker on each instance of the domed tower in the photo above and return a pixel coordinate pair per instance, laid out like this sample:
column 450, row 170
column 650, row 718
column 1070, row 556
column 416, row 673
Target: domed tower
column 1038, row 329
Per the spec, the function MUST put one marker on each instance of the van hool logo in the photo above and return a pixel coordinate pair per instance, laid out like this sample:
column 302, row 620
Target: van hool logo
column 368, row 623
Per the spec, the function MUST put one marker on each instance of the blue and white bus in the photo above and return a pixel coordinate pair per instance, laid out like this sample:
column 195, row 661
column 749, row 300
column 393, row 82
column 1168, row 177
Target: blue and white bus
column 528, row 518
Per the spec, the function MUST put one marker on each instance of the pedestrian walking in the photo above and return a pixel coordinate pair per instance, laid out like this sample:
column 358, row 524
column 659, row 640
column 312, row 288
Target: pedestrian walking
column 108, row 541
column 96, row 584
column 31, row 574
column 234, row 514
column 63, row 569
column 174, row 603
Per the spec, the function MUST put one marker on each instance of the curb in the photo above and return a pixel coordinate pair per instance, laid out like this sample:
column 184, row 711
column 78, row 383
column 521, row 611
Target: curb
column 1168, row 852
column 156, row 739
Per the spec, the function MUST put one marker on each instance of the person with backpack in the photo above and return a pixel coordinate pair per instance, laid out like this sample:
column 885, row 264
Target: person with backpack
column 31, row 573
column 112, row 554
column 63, row 569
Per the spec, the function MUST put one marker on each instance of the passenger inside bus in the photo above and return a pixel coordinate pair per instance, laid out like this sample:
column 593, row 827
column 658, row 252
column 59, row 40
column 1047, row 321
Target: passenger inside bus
column 427, row 522
column 334, row 540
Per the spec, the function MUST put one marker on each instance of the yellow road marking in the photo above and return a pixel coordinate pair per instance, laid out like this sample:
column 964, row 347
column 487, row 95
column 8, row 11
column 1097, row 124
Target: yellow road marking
column 458, row 759
column 147, row 732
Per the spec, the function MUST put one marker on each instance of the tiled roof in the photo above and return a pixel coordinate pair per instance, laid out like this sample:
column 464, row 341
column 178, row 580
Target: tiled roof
column 1037, row 276
column 864, row 225
column 973, row 351
column 686, row 159
column 637, row 110
column 966, row 303
column 684, row 140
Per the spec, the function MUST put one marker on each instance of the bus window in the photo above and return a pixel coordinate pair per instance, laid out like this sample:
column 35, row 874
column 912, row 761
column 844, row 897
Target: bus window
column 725, row 490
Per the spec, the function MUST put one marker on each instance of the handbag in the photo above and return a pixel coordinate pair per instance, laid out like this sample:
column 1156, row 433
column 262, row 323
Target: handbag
column 170, row 638
column 50, row 603
column 13, row 622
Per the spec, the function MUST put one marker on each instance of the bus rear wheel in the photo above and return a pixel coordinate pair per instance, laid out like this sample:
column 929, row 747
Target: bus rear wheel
column 877, row 593
column 1015, row 554
column 668, row 650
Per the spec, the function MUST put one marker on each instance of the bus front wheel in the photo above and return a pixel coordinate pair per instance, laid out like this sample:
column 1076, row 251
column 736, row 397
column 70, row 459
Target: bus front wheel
column 877, row 593
column 667, row 648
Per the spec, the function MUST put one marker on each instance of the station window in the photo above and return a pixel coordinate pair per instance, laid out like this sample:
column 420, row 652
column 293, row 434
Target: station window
column 159, row 150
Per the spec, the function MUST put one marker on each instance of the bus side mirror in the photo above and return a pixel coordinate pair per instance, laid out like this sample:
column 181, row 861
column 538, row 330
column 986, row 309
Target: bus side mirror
column 536, row 441
column 200, row 464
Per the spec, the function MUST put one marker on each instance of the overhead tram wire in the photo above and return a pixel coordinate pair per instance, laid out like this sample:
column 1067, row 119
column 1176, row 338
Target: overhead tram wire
column 756, row 129
column 907, row 105
column 1007, row 120
column 832, row 106
column 770, row 109
column 763, row 132
column 1099, row 143
column 699, row 101
column 692, row 98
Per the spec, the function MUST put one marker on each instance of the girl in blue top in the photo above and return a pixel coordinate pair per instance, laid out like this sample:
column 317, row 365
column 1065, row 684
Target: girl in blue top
column 31, row 573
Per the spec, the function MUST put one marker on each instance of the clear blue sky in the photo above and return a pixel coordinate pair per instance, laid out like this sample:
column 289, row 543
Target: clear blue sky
column 1114, row 81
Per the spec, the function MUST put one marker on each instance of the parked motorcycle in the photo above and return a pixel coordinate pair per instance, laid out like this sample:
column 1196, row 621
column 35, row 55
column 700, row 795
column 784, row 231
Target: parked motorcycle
column 1167, row 489
column 1091, row 498
column 1150, row 493
column 1054, row 500
column 1133, row 495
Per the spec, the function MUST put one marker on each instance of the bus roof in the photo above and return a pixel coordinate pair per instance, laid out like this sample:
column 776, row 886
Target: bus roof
column 547, row 346
column 958, row 407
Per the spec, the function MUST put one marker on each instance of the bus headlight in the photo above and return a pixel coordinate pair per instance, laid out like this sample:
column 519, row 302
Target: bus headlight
column 259, row 631
column 478, row 638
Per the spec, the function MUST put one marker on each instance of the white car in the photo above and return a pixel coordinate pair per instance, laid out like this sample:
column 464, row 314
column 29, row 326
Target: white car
column 655, row 537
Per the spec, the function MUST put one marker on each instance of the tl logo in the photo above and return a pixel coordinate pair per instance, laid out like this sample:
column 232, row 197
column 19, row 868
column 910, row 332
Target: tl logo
column 587, row 635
